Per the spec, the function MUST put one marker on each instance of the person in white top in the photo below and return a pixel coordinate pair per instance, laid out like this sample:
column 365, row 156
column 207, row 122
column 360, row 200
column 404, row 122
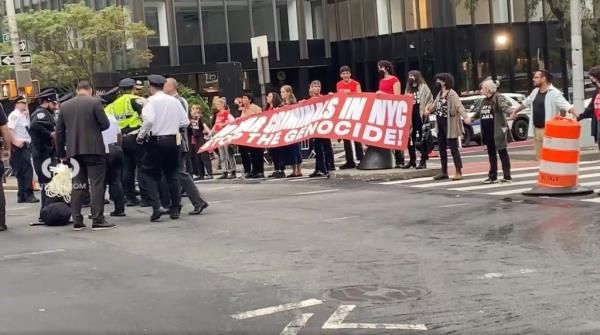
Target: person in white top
column 20, row 159
column 115, row 162
column 162, row 116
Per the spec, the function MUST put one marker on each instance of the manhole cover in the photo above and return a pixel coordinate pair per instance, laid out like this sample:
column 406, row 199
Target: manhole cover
column 376, row 293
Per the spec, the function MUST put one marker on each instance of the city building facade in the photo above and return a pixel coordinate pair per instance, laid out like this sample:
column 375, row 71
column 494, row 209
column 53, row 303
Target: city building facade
column 311, row 39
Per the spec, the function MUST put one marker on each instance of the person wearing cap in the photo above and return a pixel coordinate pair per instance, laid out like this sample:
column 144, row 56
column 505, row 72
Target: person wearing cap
column 252, row 158
column 6, row 135
column 545, row 102
column 324, row 161
column 127, row 110
column 163, row 116
column 79, row 137
column 20, row 158
column 41, row 130
column 186, row 180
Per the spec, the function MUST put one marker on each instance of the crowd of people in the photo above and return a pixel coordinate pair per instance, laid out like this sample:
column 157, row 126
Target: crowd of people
column 122, row 139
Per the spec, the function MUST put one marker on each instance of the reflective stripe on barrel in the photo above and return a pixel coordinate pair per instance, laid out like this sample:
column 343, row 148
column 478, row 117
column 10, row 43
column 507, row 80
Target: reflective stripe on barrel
column 559, row 164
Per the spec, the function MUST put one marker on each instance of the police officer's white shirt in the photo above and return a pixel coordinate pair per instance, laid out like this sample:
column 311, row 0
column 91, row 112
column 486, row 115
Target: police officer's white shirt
column 163, row 115
column 19, row 122
column 111, row 135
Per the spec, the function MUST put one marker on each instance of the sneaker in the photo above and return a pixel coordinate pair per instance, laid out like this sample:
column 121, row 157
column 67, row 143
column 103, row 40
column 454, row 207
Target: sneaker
column 118, row 214
column 317, row 174
column 103, row 226
column 506, row 180
column 198, row 210
column 79, row 226
column 440, row 177
column 3, row 227
column 348, row 166
column 31, row 200
column 490, row 181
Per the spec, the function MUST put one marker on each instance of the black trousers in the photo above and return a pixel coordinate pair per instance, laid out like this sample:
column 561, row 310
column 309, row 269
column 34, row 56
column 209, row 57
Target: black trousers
column 91, row 178
column 504, row 159
column 187, row 185
column 417, row 136
column 257, row 157
column 162, row 157
column 39, row 157
column 203, row 161
column 278, row 158
column 399, row 157
column 132, row 152
column 20, row 161
column 114, row 176
column 444, row 143
column 245, row 154
column 324, row 154
column 2, row 201
column 348, row 151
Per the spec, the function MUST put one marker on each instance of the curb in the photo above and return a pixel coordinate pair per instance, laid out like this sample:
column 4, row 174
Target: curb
column 382, row 175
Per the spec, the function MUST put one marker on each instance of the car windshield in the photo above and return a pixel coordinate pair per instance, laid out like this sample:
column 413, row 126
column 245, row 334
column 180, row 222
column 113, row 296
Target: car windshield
column 468, row 104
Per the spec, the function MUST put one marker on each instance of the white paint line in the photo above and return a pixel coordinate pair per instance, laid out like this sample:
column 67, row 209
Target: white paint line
column 307, row 179
column 495, row 275
column 17, row 208
column 336, row 321
column 317, row 192
column 276, row 309
column 340, row 219
column 454, row 205
column 594, row 200
column 219, row 202
column 521, row 190
column 33, row 253
column 296, row 325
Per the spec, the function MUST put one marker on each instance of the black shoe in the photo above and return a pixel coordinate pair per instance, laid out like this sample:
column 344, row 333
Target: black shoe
column 3, row 227
column 145, row 204
column 32, row 200
column 232, row 176
column 348, row 166
column 132, row 203
column 184, row 195
column 118, row 214
column 79, row 226
column 490, row 181
column 248, row 176
column 198, row 210
column 422, row 166
column 409, row 165
column 225, row 175
column 175, row 212
column 506, row 180
column 399, row 165
column 259, row 176
column 103, row 226
column 279, row 175
column 209, row 177
column 441, row 176
column 156, row 215
column 317, row 174
column 198, row 178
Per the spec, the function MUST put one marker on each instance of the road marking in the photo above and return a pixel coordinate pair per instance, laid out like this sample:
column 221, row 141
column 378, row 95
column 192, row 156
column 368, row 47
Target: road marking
column 336, row 321
column 340, row 219
column 220, row 201
column 514, row 183
column 495, row 275
column 33, row 253
column 454, row 205
column 296, row 325
column 317, row 192
column 276, row 309
column 308, row 179
column 17, row 208
column 521, row 190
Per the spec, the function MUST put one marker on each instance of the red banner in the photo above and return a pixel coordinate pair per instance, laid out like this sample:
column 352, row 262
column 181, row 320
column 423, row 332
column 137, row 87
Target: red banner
column 376, row 120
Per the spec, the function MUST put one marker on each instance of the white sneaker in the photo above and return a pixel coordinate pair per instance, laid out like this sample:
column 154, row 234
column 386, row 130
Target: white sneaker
column 490, row 181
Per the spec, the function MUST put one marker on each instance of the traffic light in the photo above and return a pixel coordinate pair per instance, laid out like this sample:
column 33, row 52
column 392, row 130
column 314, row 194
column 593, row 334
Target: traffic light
column 9, row 89
column 32, row 90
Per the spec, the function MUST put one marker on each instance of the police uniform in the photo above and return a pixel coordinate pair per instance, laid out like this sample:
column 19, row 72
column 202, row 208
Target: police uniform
column 114, row 171
column 163, row 116
column 20, row 159
column 41, row 129
column 127, row 110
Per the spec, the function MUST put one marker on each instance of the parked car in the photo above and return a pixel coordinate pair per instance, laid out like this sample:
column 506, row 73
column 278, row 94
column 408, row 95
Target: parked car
column 519, row 127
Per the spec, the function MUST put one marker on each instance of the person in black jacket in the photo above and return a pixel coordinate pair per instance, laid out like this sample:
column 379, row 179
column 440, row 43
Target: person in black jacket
column 593, row 109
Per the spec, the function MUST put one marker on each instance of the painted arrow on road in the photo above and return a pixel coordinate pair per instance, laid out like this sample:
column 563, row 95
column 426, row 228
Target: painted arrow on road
column 336, row 321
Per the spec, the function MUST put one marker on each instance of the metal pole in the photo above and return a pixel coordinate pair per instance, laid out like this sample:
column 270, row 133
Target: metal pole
column 577, row 55
column 14, row 33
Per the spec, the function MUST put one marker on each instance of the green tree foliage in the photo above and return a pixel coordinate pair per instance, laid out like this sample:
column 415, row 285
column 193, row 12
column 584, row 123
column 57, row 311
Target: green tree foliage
column 561, row 12
column 69, row 45
column 194, row 99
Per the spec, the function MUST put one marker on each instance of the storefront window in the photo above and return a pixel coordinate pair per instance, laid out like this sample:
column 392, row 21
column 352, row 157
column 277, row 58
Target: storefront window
column 213, row 22
column 264, row 23
column 238, row 16
column 187, row 22
column 288, row 20
column 156, row 20
column 313, row 14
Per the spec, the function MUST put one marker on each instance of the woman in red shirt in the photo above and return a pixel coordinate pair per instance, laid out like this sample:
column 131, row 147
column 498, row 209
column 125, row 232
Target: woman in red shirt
column 390, row 84
column 226, row 152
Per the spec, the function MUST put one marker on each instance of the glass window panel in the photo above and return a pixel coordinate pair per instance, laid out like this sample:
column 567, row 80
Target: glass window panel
column 482, row 12
column 463, row 14
column 410, row 13
column 536, row 11
column 213, row 22
column 344, row 19
column 151, row 19
column 356, row 14
column 238, row 16
column 370, row 17
column 264, row 23
column 332, row 22
column 519, row 10
column 500, row 11
column 313, row 16
column 382, row 12
column 397, row 18
column 424, row 14
column 188, row 24
column 288, row 20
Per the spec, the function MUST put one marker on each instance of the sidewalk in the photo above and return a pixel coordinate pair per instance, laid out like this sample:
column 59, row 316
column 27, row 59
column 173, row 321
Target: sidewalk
column 11, row 183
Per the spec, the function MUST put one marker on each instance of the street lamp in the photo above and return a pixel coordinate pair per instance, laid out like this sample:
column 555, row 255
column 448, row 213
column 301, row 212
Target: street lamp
column 501, row 40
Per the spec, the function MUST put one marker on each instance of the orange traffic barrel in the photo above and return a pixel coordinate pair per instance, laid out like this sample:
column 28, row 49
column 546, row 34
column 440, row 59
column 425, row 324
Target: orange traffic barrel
column 559, row 161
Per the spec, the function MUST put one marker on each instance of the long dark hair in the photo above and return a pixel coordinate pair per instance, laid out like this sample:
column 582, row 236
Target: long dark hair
column 418, row 79
column 387, row 65
column 277, row 101
column 447, row 78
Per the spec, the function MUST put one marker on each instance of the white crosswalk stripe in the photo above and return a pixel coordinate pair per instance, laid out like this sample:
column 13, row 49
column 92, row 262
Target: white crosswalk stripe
column 523, row 180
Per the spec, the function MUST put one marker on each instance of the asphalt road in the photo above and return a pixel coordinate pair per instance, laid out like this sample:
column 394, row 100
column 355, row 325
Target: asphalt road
column 355, row 255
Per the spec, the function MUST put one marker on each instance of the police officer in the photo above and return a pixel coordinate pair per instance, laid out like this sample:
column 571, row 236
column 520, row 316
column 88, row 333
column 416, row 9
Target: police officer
column 163, row 116
column 20, row 158
column 126, row 109
column 41, row 129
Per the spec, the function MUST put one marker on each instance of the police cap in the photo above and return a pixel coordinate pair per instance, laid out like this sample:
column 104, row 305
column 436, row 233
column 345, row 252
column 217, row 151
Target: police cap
column 156, row 80
column 20, row 100
column 110, row 96
column 49, row 95
column 126, row 83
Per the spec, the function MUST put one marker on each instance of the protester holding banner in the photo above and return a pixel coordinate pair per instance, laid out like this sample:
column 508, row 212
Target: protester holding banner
column 226, row 152
column 292, row 152
column 322, row 146
column 390, row 84
column 448, row 110
column 252, row 158
column 418, row 89
column 277, row 154
column 349, row 85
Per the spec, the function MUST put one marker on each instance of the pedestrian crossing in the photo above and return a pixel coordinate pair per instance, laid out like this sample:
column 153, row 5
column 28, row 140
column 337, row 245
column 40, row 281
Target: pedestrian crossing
column 523, row 180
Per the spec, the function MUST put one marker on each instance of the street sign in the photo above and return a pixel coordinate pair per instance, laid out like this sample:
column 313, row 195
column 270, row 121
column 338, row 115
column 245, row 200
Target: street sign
column 22, row 45
column 8, row 60
column 5, row 37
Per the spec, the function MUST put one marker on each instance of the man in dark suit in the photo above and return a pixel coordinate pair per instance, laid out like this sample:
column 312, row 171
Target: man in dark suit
column 79, row 131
